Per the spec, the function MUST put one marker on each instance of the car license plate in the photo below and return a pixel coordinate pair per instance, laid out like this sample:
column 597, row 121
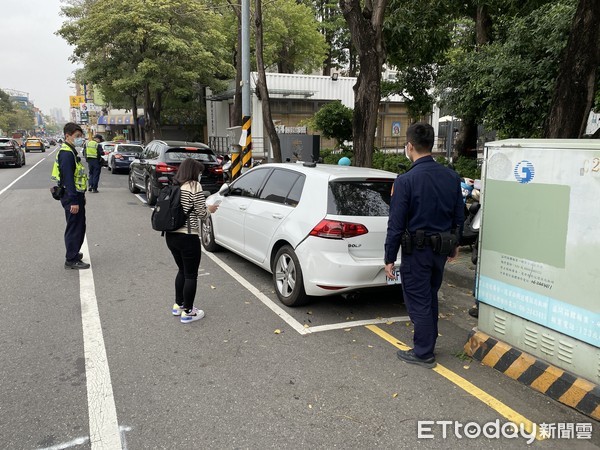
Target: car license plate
column 395, row 280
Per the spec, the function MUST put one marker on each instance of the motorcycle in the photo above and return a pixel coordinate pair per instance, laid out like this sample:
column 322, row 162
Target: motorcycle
column 471, row 191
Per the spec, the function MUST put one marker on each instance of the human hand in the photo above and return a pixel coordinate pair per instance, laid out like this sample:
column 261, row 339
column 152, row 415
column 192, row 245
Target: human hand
column 452, row 256
column 389, row 271
column 213, row 208
column 74, row 209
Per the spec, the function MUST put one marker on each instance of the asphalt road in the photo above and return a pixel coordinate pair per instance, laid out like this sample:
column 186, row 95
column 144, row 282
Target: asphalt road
column 96, row 360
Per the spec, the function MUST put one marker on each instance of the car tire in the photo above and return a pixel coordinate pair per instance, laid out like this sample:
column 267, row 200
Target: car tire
column 150, row 197
column 26, row 151
column 287, row 278
column 132, row 187
column 207, row 236
column 112, row 169
column 18, row 164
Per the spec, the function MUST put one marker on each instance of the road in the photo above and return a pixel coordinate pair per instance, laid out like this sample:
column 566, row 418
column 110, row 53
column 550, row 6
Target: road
column 94, row 359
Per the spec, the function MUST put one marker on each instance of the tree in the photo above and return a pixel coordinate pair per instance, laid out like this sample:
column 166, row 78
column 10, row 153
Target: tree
column 261, row 85
column 576, row 84
column 334, row 120
column 366, row 28
column 154, row 49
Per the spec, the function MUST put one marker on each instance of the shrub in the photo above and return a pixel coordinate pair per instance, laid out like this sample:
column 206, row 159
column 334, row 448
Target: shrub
column 467, row 168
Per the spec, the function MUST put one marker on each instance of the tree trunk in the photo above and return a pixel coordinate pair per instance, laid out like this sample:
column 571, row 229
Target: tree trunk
column 136, row 126
column 466, row 141
column 261, row 85
column 151, row 115
column 366, row 31
column 576, row 83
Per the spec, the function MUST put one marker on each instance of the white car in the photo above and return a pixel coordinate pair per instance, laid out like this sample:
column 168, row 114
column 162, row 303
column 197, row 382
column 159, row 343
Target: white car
column 319, row 229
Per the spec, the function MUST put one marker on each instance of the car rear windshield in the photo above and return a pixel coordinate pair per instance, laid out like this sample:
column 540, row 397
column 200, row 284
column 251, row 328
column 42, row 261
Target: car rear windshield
column 5, row 144
column 359, row 197
column 130, row 148
column 179, row 154
column 108, row 147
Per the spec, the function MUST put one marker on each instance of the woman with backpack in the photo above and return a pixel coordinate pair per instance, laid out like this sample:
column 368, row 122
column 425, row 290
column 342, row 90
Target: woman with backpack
column 184, row 242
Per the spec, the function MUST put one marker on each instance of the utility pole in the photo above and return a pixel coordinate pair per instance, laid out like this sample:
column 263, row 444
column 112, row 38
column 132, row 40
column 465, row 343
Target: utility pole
column 244, row 158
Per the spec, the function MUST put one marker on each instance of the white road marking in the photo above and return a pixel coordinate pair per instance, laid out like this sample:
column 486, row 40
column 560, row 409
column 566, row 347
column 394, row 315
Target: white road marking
column 259, row 295
column 73, row 443
column 357, row 323
column 32, row 167
column 142, row 199
column 104, row 429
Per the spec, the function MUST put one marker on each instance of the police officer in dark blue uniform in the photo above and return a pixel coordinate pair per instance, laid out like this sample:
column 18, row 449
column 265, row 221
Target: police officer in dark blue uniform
column 70, row 174
column 426, row 217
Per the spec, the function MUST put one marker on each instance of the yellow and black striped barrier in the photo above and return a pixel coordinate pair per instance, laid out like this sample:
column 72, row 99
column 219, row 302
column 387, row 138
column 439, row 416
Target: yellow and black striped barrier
column 247, row 146
column 236, row 165
column 570, row 390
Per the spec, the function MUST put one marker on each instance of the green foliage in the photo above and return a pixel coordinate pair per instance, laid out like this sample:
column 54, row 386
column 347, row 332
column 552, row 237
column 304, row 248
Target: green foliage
column 507, row 85
column 13, row 117
column 392, row 162
column 467, row 168
column 334, row 120
column 330, row 156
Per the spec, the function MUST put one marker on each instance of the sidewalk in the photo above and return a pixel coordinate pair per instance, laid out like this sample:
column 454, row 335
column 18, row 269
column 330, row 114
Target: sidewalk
column 534, row 372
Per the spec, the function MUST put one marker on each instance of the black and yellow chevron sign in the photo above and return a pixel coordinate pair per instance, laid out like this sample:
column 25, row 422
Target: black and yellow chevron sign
column 247, row 146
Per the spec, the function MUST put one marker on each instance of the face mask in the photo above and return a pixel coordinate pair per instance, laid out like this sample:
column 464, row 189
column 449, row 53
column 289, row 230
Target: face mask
column 78, row 142
column 199, row 177
column 406, row 152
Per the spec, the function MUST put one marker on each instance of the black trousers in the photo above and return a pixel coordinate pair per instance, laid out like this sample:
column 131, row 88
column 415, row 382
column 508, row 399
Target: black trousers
column 75, row 230
column 186, row 251
column 94, row 167
column 421, row 274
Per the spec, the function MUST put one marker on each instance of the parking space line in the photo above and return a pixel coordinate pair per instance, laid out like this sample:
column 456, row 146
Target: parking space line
column 467, row 386
column 260, row 296
column 141, row 199
column 357, row 323
column 104, row 429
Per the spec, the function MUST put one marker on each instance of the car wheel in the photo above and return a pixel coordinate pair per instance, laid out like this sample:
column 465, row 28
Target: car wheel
column 287, row 278
column 113, row 169
column 207, row 236
column 26, row 151
column 150, row 197
column 18, row 164
column 132, row 187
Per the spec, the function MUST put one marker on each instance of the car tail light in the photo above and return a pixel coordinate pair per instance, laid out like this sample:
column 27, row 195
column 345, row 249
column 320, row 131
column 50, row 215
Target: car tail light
column 161, row 167
column 217, row 170
column 118, row 156
column 334, row 229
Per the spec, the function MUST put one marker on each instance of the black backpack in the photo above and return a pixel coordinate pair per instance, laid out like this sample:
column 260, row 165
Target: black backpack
column 168, row 214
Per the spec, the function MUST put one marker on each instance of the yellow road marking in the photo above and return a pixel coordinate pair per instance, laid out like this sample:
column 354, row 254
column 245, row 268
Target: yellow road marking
column 467, row 386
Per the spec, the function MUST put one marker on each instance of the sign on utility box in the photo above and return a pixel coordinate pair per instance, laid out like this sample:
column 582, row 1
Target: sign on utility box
column 538, row 272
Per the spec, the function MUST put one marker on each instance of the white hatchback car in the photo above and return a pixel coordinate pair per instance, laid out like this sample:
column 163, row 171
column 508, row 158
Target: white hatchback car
column 319, row 229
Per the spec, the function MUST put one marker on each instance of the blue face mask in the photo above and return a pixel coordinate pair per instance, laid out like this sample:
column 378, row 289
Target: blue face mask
column 78, row 142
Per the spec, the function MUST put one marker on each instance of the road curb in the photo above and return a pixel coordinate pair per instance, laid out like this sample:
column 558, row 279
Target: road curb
column 558, row 384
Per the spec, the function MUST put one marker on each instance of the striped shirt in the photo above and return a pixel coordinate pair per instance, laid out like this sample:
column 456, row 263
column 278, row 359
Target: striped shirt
column 191, row 194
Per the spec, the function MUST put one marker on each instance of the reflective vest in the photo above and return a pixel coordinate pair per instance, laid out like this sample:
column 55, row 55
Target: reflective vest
column 79, row 175
column 91, row 150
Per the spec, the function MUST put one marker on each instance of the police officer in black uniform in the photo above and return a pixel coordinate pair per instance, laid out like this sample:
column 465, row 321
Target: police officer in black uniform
column 426, row 217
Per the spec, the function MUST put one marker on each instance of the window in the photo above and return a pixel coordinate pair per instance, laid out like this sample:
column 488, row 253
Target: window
column 360, row 198
column 293, row 197
column 249, row 184
column 279, row 185
column 180, row 154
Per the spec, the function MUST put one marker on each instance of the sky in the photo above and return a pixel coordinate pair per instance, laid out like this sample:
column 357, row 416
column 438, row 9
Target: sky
column 32, row 58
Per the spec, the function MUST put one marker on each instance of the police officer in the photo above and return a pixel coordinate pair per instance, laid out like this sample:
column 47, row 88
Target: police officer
column 69, row 172
column 426, row 216
column 93, row 155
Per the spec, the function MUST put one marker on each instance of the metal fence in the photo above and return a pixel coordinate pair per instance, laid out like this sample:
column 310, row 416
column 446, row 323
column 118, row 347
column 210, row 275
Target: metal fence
column 221, row 145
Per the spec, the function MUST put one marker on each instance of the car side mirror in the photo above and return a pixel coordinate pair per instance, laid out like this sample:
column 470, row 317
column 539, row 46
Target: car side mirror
column 224, row 190
column 206, row 193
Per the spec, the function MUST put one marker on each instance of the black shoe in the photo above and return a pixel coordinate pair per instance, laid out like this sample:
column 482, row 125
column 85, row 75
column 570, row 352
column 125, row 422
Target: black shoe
column 90, row 189
column 474, row 312
column 410, row 357
column 95, row 191
column 79, row 256
column 78, row 265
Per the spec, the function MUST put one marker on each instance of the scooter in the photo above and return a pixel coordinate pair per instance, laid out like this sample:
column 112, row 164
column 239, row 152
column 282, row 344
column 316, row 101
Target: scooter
column 471, row 190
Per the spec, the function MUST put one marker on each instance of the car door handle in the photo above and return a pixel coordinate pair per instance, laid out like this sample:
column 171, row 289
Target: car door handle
column 277, row 216
column 243, row 207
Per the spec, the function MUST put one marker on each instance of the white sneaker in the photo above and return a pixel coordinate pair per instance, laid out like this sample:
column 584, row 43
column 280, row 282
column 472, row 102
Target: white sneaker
column 177, row 310
column 194, row 314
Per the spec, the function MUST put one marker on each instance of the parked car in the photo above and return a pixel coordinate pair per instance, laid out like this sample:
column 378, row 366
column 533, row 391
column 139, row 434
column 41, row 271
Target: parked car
column 34, row 144
column 11, row 152
column 107, row 148
column 122, row 156
column 159, row 161
column 319, row 229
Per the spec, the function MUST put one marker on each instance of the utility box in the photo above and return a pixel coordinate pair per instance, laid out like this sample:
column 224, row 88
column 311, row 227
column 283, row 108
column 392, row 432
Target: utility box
column 538, row 273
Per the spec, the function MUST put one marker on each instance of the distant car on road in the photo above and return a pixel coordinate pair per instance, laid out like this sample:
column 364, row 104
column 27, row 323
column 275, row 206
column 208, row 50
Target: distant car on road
column 121, row 157
column 11, row 152
column 34, row 144
column 319, row 229
column 159, row 161
column 107, row 148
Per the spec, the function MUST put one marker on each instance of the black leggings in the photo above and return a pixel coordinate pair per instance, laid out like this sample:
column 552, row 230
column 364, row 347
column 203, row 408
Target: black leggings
column 186, row 251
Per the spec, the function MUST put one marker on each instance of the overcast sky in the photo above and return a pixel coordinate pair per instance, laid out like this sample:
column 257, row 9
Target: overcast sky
column 32, row 58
